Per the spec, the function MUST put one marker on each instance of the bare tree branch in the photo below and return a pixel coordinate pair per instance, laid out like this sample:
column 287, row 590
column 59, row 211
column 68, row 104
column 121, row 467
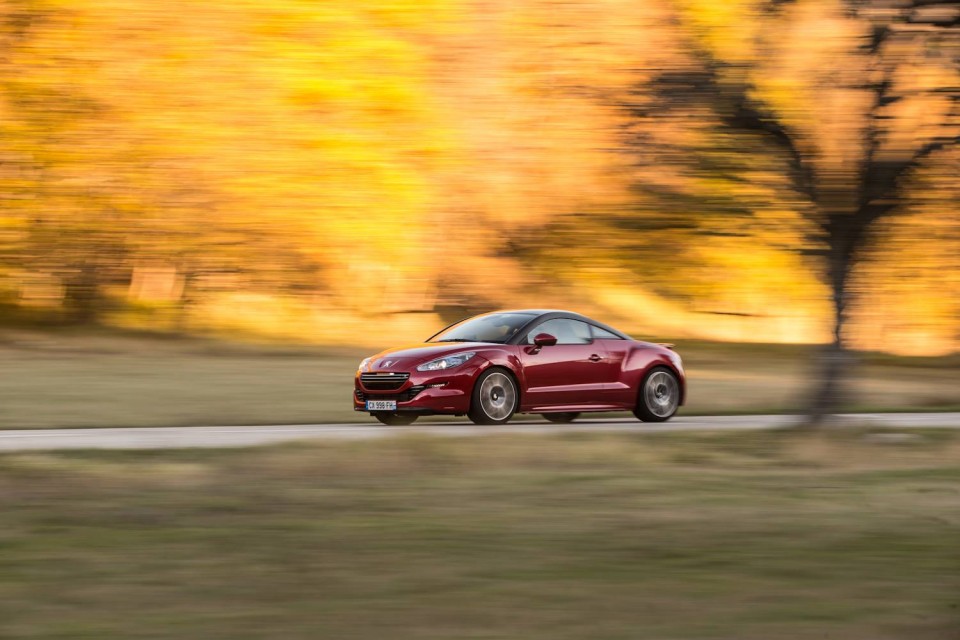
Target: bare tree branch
column 881, row 177
column 739, row 112
column 748, row 117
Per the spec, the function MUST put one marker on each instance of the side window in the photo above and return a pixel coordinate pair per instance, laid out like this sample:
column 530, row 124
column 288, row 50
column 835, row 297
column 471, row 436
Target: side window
column 565, row 331
column 603, row 334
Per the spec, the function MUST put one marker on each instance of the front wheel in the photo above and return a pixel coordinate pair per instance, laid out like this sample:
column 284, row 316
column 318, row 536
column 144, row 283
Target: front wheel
column 396, row 419
column 659, row 396
column 560, row 417
column 494, row 398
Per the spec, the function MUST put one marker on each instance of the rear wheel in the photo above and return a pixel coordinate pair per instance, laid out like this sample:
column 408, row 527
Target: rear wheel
column 494, row 398
column 560, row 417
column 659, row 396
column 395, row 419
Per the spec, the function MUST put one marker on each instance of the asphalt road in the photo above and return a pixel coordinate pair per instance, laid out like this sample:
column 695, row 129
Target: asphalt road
column 189, row 437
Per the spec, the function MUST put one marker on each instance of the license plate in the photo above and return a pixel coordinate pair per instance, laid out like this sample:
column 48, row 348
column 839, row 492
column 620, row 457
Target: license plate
column 381, row 405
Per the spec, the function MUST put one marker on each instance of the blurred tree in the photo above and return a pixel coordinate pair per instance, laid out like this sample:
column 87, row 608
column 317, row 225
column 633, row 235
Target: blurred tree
column 852, row 99
column 275, row 145
column 209, row 162
column 55, row 213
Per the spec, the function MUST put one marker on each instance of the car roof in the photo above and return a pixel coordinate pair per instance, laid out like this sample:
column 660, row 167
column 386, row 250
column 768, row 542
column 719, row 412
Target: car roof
column 536, row 312
column 543, row 312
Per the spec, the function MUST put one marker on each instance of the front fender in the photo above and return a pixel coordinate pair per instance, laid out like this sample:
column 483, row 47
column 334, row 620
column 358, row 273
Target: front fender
column 507, row 358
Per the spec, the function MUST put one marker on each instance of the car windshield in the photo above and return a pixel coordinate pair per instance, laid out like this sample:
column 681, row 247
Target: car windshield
column 493, row 327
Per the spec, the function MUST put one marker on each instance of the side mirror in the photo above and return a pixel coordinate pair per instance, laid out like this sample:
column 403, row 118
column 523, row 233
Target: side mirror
column 544, row 340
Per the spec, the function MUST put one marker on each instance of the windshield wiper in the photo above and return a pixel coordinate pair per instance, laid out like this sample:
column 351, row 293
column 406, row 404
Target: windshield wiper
column 458, row 340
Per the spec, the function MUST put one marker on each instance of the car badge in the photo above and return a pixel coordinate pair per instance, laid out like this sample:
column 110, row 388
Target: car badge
column 386, row 363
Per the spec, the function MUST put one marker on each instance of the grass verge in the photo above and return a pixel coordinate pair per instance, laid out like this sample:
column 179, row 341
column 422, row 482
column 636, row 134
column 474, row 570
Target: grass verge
column 747, row 535
column 103, row 379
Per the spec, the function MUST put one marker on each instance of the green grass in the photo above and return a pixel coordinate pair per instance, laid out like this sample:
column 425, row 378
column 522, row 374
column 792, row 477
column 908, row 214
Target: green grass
column 98, row 379
column 752, row 535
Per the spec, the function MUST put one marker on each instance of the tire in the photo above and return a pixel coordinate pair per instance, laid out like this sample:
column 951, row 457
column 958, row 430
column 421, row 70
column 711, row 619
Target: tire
column 560, row 417
column 495, row 398
column 659, row 396
column 395, row 419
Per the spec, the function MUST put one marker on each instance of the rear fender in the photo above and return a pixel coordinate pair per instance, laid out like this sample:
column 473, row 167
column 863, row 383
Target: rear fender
column 641, row 360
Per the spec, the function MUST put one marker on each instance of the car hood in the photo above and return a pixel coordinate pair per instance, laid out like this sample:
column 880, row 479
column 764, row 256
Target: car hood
column 407, row 357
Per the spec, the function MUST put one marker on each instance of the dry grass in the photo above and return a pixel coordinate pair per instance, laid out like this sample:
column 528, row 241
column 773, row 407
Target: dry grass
column 751, row 535
column 74, row 380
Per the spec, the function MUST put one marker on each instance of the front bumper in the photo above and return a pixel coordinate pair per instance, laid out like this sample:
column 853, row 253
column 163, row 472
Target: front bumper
column 426, row 392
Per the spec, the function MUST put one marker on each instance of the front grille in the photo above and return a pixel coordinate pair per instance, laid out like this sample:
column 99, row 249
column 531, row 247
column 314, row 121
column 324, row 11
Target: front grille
column 405, row 396
column 383, row 381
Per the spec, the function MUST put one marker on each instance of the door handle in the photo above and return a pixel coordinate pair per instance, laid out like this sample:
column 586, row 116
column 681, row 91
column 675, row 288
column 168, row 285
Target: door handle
column 595, row 358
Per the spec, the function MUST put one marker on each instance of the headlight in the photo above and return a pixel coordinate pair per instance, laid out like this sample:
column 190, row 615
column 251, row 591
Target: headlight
column 364, row 365
column 446, row 363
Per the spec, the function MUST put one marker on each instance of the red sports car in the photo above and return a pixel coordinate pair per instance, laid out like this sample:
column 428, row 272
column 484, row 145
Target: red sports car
column 556, row 363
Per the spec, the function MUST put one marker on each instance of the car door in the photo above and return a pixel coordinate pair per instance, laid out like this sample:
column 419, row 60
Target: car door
column 574, row 372
column 617, row 350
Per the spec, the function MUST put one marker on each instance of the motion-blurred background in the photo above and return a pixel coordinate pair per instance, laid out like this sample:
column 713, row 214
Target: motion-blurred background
column 337, row 172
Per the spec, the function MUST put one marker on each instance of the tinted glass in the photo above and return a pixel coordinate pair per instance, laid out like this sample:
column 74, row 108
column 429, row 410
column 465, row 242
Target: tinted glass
column 565, row 331
column 603, row 334
column 494, row 327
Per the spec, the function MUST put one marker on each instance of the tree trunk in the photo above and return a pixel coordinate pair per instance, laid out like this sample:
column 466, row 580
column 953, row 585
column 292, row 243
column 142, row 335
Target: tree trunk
column 182, row 323
column 82, row 295
column 831, row 388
